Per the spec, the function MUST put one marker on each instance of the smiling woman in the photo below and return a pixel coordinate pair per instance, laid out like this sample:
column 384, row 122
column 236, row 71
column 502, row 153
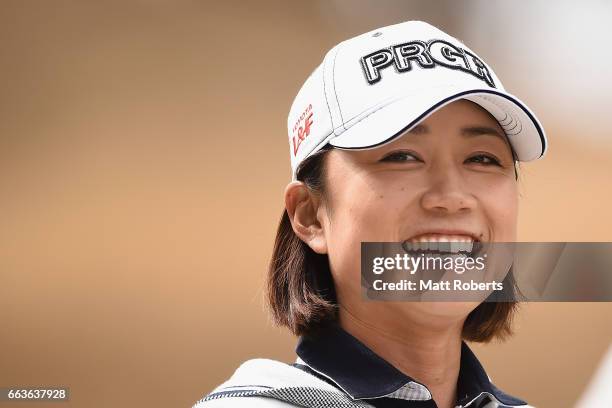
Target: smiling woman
column 425, row 154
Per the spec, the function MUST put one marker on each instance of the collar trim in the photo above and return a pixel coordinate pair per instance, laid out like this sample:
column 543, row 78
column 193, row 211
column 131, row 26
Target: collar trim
column 341, row 358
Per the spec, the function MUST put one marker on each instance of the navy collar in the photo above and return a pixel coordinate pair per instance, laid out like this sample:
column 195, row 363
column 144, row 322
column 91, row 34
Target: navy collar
column 352, row 366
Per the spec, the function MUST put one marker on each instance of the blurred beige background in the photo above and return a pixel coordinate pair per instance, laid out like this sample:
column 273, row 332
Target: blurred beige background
column 143, row 160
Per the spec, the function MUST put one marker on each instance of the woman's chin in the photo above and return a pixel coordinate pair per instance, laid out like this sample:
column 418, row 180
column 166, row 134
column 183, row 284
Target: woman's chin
column 439, row 310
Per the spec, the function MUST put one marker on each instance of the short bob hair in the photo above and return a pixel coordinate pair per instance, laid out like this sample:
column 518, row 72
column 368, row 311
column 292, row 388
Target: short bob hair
column 300, row 287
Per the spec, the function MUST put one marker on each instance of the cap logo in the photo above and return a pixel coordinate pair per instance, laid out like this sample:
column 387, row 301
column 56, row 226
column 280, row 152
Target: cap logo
column 435, row 53
column 301, row 129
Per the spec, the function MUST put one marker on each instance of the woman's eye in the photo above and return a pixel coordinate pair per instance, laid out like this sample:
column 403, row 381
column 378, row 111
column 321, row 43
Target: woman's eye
column 484, row 159
column 401, row 156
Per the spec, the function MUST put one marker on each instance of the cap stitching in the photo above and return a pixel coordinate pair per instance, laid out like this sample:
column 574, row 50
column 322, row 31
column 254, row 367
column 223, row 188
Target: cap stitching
column 513, row 127
column 506, row 116
column 518, row 131
column 334, row 83
column 513, row 119
column 331, row 117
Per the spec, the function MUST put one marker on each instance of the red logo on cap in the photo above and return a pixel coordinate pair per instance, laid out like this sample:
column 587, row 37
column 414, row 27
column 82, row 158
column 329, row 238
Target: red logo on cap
column 301, row 130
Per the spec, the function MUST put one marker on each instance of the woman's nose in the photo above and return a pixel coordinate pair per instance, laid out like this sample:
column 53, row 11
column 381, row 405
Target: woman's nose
column 447, row 193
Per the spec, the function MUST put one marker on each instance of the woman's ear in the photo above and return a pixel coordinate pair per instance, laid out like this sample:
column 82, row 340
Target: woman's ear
column 303, row 209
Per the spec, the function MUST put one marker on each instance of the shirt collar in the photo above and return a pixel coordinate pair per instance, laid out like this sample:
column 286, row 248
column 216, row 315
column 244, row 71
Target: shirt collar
column 361, row 373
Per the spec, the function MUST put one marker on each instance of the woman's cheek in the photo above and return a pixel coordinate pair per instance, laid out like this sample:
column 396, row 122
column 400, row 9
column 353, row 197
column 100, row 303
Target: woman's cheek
column 345, row 265
column 502, row 209
column 348, row 230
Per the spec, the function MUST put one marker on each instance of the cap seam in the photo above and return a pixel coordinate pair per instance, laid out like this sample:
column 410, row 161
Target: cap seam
column 512, row 119
column 331, row 117
column 334, row 84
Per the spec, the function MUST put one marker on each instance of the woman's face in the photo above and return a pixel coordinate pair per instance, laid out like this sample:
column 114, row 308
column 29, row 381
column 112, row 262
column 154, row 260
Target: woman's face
column 452, row 177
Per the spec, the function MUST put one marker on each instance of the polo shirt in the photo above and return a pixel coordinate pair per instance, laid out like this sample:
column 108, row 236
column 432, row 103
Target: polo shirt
column 338, row 358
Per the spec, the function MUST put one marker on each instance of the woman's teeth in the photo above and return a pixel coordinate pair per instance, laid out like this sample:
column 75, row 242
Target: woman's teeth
column 441, row 243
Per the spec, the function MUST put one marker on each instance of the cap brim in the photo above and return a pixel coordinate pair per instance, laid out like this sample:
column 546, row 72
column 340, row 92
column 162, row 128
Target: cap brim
column 524, row 131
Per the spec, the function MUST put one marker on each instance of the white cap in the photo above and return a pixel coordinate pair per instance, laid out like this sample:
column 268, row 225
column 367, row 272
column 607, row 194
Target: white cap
column 373, row 88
